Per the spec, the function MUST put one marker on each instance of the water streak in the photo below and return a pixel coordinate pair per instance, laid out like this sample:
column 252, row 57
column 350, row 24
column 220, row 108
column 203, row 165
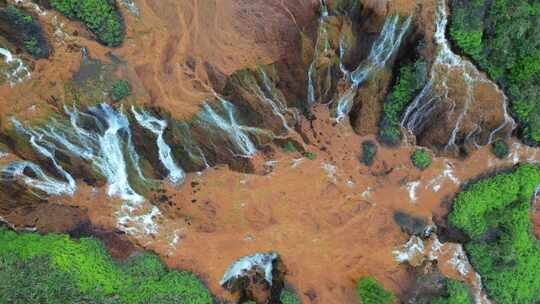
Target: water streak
column 17, row 71
column 157, row 127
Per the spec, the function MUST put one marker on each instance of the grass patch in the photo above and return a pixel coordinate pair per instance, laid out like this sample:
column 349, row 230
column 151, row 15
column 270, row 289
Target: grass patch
column 288, row 297
column 494, row 214
column 502, row 37
column 421, row 159
column 370, row 291
column 120, row 90
column 101, row 17
column 500, row 149
column 289, row 147
column 73, row 270
column 411, row 80
column 310, row 155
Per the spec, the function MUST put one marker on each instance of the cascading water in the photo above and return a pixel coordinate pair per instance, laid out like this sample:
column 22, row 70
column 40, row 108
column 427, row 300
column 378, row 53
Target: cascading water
column 226, row 124
column 321, row 46
column 157, row 127
column 383, row 49
column 17, row 71
column 278, row 104
column 437, row 91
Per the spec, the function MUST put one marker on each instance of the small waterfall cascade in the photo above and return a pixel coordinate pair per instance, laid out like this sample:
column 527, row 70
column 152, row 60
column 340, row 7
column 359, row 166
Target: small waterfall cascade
column 221, row 121
column 437, row 91
column 321, row 46
column 16, row 70
column 383, row 49
column 157, row 127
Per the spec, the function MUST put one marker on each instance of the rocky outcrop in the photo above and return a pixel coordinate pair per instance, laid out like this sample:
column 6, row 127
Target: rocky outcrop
column 24, row 31
column 259, row 278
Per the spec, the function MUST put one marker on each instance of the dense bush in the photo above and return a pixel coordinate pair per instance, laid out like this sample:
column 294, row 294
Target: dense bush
column 457, row 293
column 24, row 31
column 502, row 36
column 500, row 149
column 101, row 17
column 370, row 291
column 369, row 151
column 494, row 214
column 288, row 297
column 120, row 90
column 70, row 271
column 421, row 159
column 411, row 79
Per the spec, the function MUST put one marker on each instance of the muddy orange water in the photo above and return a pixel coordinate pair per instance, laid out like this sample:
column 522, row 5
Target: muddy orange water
column 330, row 219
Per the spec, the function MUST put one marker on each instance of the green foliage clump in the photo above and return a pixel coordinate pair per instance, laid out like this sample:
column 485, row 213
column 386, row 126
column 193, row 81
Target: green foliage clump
column 101, row 17
column 494, row 214
column 289, row 147
column 120, row 90
column 369, row 151
column 421, row 159
column 74, row 270
column 502, row 37
column 29, row 34
column 411, row 79
column 500, row 149
column 310, row 155
column 370, row 291
column 288, row 297
column 457, row 293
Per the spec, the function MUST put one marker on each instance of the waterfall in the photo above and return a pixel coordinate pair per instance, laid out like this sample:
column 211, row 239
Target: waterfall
column 17, row 70
column 322, row 40
column 437, row 89
column 225, row 124
column 157, row 127
column 383, row 49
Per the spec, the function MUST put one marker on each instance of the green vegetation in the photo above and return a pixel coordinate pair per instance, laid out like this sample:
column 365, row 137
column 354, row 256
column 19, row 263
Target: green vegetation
column 502, row 36
column 310, row 155
column 494, row 214
column 369, row 151
column 500, row 149
column 370, row 291
column 411, row 80
column 100, row 16
column 29, row 35
column 288, row 297
column 289, row 147
column 457, row 293
column 55, row 269
column 421, row 159
column 120, row 90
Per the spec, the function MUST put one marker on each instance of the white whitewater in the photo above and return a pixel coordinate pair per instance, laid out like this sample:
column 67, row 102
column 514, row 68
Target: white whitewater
column 322, row 40
column 242, row 266
column 227, row 124
column 278, row 104
column 17, row 70
column 436, row 90
column 383, row 49
column 157, row 127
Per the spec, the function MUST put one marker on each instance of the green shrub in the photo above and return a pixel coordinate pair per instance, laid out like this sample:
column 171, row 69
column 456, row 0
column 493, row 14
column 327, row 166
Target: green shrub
column 369, row 151
column 310, row 155
column 120, row 90
column 289, row 147
column 457, row 293
column 494, row 214
column 370, row 291
column 411, row 79
column 288, row 297
column 500, row 149
column 502, row 37
column 421, row 159
column 101, row 17
column 84, row 270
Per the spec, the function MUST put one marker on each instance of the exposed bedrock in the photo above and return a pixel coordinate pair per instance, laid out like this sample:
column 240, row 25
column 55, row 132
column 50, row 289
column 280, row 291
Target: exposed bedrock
column 24, row 30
